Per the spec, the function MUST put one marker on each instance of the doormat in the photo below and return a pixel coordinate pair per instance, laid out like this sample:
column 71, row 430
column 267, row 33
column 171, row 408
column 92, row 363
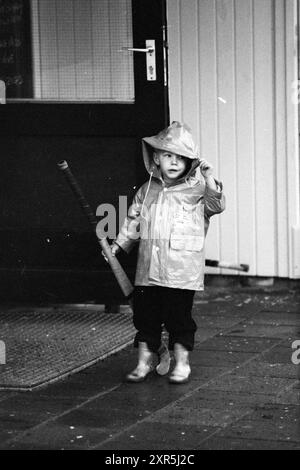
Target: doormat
column 40, row 346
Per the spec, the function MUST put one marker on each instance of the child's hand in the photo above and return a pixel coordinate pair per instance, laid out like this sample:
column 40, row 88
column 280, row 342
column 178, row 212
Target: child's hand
column 206, row 168
column 114, row 251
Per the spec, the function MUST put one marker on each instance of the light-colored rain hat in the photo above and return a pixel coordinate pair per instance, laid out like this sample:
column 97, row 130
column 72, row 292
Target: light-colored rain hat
column 176, row 138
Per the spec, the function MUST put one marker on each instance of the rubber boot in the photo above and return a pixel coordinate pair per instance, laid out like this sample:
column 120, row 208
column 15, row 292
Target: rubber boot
column 164, row 358
column 182, row 370
column 145, row 364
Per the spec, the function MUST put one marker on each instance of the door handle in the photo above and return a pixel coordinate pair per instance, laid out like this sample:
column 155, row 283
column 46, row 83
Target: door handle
column 133, row 49
column 150, row 58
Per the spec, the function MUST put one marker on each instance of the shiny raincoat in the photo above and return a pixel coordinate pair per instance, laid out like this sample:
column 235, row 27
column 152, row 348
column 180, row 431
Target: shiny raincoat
column 170, row 221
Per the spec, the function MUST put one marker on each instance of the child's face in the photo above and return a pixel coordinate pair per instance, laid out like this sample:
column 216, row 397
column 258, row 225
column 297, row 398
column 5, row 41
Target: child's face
column 172, row 165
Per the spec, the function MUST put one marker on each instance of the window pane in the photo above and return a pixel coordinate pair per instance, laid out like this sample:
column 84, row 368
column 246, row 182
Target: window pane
column 15, row 48
column 75, row 47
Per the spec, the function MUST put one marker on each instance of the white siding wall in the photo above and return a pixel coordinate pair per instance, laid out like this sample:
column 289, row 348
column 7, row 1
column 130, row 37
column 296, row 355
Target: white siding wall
column 232, row 64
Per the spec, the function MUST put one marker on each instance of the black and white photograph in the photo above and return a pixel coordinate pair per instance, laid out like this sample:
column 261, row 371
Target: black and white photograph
column 149, row 228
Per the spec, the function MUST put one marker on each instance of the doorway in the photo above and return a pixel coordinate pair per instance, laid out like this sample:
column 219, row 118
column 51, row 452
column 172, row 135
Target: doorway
column 75, row 104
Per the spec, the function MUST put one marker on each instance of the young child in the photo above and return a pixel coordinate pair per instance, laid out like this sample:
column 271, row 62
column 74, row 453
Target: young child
column 169, row 217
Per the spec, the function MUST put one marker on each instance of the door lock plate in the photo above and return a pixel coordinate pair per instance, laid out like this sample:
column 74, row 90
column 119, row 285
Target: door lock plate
column 151, row 60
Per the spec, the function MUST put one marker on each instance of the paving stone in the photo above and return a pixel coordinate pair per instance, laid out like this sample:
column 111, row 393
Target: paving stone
column 265, row 331
column 265, row 369
column 281, row 309
column 12, row 424
column 57, row 436
column 105, row 418
column 275, row 319
column 218, row 399
column 289, row 396
column 201, row 375
column 219, row 358
column 272, row 422
column 218, row 443
column 25, row 411
column 39, row 407
column 186, row 413
column 242, row 383
column 232, row 343
column 160, row 436
column 95, row 379
column 280, row 354
column 238, row 310
column 217, row 321
column 203, row 334
column 139, row 399
column 5, row 394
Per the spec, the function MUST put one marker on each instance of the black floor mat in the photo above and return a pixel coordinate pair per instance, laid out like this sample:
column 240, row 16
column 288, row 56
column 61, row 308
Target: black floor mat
column 45, row 344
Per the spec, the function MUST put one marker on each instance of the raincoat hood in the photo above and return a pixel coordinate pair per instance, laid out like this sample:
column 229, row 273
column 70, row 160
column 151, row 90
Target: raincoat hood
column 176, row 138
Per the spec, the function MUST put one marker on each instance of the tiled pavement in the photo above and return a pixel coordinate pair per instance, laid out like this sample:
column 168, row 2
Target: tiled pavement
column 244, row 392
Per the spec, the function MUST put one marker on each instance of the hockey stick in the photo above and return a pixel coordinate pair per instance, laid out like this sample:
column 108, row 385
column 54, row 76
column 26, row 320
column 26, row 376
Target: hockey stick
column 121, row 276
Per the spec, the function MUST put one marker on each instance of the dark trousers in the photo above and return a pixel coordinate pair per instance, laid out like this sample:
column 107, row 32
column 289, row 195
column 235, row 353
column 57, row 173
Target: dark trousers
column 154, row 306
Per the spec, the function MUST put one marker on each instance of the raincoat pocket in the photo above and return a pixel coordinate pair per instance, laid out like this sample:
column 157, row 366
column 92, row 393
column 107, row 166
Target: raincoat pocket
column 186, row 233
column 186, row 239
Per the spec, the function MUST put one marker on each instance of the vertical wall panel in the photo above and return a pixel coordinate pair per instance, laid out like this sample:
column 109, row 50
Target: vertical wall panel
column 190, row 71
column 281, row 181
column 208, row 107
column 264, row 136
column 246, row 249
column 232, row 63
column 292, row 130
column 225, row 29
column 175, row 58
